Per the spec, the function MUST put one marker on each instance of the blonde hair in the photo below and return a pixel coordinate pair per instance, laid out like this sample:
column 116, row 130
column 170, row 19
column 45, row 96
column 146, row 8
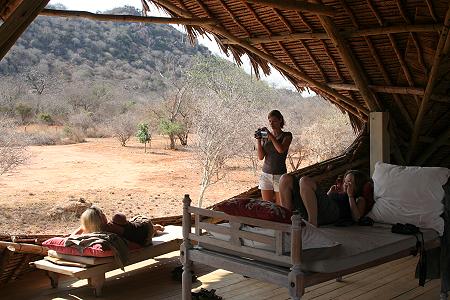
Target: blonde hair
column 92, row 220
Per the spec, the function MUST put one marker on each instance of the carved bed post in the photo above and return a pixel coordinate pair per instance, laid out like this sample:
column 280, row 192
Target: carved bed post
column 295, row 277
column 184, row 251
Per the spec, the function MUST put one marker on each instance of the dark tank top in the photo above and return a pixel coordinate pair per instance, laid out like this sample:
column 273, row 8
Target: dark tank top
column 274, row 162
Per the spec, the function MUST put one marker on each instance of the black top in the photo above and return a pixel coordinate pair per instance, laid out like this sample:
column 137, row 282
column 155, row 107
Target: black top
column 274, row 162
column 136, row 232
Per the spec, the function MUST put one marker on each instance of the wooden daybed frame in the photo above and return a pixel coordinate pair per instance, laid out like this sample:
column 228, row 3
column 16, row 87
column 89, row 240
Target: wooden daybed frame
column 95, row 271
column 282, row 267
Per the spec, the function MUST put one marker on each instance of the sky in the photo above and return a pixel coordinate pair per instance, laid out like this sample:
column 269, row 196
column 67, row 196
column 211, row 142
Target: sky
column 275, row 79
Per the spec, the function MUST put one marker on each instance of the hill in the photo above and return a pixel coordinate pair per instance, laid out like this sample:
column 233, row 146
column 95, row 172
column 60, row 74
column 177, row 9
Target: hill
column 82, row 49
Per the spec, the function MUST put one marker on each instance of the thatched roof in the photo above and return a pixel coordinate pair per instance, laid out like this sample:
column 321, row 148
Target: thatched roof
column 361, row 55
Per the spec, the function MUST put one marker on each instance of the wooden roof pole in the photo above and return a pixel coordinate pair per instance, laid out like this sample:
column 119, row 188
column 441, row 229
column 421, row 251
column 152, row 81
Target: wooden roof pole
column 380, row 89
column 17, row 22
column 443, row 39
column 288, row 69
column 297, row 5
column 344, row 34
column 354, row 68
column 383, row 71
column 6, row 9
column 125, row 18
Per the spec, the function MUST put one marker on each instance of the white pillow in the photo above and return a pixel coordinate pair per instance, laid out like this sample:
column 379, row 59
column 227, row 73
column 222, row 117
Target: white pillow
column 312, row 237
column 409, row 195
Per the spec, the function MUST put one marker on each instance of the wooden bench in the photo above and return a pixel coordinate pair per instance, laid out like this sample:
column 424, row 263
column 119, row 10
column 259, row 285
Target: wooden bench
column 94, row 269
column 361, row 247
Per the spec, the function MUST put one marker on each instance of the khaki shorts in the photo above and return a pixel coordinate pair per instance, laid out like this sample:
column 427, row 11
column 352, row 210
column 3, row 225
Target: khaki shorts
column 269, row 182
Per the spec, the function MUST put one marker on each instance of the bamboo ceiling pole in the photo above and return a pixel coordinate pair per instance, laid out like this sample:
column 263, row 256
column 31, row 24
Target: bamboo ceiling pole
column 345, row 34
column 297, row 6
column 353, row 66
column 405, row 90
column 125, row 18
column 443, row 39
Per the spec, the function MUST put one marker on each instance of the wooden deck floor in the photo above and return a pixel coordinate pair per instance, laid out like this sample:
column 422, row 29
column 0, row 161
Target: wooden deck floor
column 152, row 280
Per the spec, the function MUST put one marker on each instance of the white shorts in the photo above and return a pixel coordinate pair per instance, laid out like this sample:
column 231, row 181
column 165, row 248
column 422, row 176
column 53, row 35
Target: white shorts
column 269, row 182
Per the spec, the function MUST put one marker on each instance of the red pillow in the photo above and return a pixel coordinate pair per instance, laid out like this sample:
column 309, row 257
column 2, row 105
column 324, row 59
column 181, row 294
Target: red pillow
column 255, row 208
column 367, row 194
column 57, row 244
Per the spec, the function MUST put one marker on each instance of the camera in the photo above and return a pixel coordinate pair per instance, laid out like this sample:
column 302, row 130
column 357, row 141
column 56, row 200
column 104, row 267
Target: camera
column 261, row 133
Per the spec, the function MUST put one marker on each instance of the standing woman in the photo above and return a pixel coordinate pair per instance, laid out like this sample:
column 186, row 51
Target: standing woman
column 273, row 147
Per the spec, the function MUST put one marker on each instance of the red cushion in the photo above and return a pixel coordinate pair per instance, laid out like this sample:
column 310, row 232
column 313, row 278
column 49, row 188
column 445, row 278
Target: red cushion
column 367, row 194
column 255, row 208
column 96, row 250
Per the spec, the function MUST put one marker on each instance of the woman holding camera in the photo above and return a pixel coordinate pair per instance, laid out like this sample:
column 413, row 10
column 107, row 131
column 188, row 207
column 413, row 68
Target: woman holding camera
column 272, row 146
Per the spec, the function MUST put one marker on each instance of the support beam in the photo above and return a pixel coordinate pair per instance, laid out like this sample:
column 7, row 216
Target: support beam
column 380, row 89
column 17, row 22
column 125, row 18
column 7, row 8
column 295, row 5
column 345, row 34
column 439, row 54
column 356, row 72
column 379, row 138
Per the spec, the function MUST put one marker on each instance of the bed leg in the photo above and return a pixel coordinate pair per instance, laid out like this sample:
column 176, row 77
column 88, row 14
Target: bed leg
column 186, row 282
column 339, row 279
column 97, row 283
column 296, row 276
column 54, row 279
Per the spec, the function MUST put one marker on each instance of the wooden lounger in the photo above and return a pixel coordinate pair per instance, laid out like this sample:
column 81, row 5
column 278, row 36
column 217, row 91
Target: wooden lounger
column 360, row 247
column 94, row 269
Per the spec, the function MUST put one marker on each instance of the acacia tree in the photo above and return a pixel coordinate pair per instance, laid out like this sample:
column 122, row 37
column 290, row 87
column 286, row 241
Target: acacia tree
column 175, row 112
column 122, row 127
column 225, row 113
column 12, row 148
column 328, row 136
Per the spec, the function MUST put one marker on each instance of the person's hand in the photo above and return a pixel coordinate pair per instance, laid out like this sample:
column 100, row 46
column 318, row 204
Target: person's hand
column 349, row 189
column 333, row 189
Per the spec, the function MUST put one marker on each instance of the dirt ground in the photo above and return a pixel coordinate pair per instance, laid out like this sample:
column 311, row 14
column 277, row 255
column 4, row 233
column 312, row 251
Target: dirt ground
column 42, row 196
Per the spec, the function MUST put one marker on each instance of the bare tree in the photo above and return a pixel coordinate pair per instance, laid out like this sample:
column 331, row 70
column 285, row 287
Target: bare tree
column 328, row 136
column 175, row 113
column 12, row 148
column 122, row 127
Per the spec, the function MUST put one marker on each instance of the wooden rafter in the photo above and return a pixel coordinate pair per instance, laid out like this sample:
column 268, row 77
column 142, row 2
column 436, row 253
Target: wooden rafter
column 431, row 9
column 388, row 81
column 125, row 18
column 228, row 10
column 17, row 22
column 7, row 8
column 443, row 39
column 380, row 89
column 414, row 37
column 297, row 6
column 345, row 34
column 353, row 66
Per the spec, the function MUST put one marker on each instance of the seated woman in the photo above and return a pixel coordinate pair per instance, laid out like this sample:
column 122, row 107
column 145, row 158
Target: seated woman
column 340, row 202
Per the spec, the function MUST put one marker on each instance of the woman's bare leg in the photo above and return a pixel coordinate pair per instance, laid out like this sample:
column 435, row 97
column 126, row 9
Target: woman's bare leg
column 277, row 198
column 308, row 194
column 286, row 190
column 267, row 195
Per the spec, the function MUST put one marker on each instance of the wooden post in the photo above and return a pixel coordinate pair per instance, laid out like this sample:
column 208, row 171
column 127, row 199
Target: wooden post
column 379, row 138
column 295, row 277
column 184, row 251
